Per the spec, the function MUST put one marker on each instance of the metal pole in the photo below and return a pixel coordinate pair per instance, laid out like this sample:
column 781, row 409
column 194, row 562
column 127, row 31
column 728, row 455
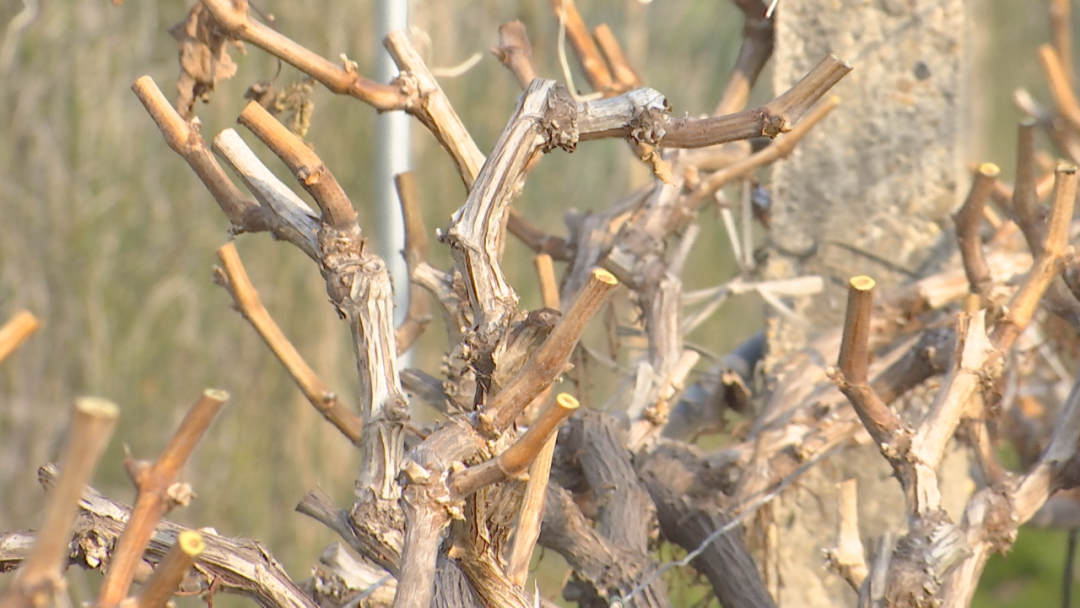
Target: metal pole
column 392, row 157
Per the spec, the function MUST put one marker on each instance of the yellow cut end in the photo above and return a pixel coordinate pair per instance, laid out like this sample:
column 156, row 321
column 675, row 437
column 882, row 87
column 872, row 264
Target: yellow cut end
column 567, row 401
column 97, row 408
column 191, row 543
column 604, row 276
column 989, row 169
column 862, row 283
column 217, row 394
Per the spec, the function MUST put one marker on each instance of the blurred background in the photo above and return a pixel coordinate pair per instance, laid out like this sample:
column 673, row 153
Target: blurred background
column 108, row 237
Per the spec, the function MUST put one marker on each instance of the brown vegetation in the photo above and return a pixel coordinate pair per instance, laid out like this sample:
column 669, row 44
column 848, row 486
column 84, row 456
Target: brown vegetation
column 448, row 513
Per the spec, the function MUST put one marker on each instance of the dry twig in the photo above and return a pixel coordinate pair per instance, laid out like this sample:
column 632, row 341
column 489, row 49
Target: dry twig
column 18, row 328
column 418, row 313
column 968, row 221
column 234, row 21
column 157, row 493
column 42, row 575
column 234, row 278
column 163, row 583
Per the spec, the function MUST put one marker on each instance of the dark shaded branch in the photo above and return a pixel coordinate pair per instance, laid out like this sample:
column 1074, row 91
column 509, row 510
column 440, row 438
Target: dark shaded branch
column 684, row 492
column 318, row 506
column 418, row 313
column 606, row 568
column 515, row 52
column 425, row 387
column 756, row 48
column 535, row 238
column 1025, row 199
column 968, row 221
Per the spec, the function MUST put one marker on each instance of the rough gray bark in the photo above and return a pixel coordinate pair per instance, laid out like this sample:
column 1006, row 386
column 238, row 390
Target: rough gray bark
column 893, row 161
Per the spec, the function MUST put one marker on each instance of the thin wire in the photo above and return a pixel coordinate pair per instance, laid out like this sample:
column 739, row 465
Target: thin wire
column 771, row 9
column 355, row 602
column 457, row 70
column 619, row 601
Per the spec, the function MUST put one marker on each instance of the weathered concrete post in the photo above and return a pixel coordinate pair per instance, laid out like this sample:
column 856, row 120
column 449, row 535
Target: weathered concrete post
column 868, row 192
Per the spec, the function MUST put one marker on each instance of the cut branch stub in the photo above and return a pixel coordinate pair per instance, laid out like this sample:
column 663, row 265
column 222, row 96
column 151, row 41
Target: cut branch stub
column 551, row 358
column 92, row 423
column 854, row 362
column 968, row 220
column 515, row 460
column 168, row 575
column 854, row 358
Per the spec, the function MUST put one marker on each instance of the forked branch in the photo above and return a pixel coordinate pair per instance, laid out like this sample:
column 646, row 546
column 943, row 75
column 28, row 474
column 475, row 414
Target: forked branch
column 852, row 377
column 157, row 493
column 1049, row 261
column 305, row 165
